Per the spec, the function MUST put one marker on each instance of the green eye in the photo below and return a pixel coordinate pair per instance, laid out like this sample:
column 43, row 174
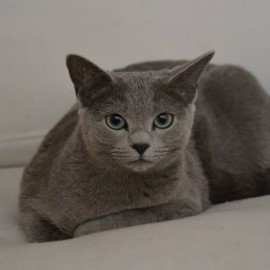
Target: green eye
column 163, row 120
column 115, row 121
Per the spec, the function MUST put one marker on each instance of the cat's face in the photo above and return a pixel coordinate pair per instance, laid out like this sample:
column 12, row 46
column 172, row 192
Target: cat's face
column 137, row 123
column 136, row 120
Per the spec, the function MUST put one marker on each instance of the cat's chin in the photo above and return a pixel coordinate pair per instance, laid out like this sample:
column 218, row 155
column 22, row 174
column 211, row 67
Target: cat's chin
column 140, row 165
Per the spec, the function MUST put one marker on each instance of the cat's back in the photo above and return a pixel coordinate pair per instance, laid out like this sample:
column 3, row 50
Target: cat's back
column 231, row 129
column 152, row 65
column 232, row 133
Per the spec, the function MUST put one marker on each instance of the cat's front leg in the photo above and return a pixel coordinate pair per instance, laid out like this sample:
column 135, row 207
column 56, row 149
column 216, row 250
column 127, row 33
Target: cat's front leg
column 175, row 210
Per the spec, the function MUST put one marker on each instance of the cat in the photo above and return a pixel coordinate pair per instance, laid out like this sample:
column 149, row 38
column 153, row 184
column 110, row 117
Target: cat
column 151, row 142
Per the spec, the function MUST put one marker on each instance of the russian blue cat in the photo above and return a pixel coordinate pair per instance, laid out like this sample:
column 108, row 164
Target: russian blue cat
column 151, row 142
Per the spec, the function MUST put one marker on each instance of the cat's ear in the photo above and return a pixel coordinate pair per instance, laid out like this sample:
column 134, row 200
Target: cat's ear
column 184, row 79
column 86, row 75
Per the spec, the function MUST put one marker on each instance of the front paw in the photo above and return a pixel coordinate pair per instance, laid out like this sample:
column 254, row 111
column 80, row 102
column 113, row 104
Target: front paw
column 174, row 210
column 96, row 225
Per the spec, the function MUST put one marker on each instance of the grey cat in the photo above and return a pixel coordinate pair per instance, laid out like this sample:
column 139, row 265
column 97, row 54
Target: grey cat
column 133, row 150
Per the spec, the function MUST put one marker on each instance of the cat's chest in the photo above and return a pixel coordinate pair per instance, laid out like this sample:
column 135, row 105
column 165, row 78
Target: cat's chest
column 100, row 195
column 90, row 195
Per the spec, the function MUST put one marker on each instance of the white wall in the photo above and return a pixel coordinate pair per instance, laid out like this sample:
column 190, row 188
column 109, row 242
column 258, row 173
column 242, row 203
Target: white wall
column 36, row 35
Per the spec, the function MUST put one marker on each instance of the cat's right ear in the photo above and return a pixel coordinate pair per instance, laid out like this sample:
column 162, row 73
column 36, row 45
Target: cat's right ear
column 85, row 75
column 184, row 79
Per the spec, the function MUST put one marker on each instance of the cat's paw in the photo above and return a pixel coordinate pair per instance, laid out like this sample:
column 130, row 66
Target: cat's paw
column 95, row 225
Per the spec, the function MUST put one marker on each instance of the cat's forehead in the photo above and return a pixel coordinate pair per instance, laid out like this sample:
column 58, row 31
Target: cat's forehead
column 138, row 80
column 139, row 89
column 135, row 95
column 141, row 86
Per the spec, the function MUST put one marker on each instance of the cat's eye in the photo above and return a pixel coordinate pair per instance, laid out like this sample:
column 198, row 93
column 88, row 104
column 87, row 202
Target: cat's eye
column 115, row 121
column 163, row 120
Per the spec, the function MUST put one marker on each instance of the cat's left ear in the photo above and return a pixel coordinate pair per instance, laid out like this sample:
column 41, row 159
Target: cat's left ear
column 85, row 75
column 184, row 79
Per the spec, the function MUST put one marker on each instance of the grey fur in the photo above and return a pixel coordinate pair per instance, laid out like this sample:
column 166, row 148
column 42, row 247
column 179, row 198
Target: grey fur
column 85, row 177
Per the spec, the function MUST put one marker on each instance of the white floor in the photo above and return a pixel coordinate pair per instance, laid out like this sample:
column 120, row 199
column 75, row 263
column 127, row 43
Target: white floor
column 231, row 236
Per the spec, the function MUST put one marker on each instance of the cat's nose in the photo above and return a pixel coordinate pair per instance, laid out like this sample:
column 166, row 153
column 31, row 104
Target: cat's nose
column 140, row 147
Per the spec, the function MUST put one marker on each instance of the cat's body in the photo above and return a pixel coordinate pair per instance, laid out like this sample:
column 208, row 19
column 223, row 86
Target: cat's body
column 66, row 191
column 231, row 130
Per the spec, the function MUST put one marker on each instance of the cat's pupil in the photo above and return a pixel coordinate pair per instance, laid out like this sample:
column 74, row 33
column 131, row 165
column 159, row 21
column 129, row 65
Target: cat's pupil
column 116, row 119
column 163, row 119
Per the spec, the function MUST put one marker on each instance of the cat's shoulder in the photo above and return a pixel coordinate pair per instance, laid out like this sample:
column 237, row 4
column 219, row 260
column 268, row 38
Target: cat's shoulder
column 155, row 65
column 65, row 126
column 53, row 143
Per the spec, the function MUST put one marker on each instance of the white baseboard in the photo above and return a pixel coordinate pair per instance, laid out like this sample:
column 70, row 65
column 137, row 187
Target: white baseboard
column 18, row 149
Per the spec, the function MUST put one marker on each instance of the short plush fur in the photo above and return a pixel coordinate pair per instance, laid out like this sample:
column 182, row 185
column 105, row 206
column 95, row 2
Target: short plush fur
column 87, row 177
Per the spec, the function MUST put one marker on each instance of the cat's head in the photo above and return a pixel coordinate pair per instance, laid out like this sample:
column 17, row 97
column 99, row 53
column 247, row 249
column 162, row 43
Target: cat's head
column 138, row 120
